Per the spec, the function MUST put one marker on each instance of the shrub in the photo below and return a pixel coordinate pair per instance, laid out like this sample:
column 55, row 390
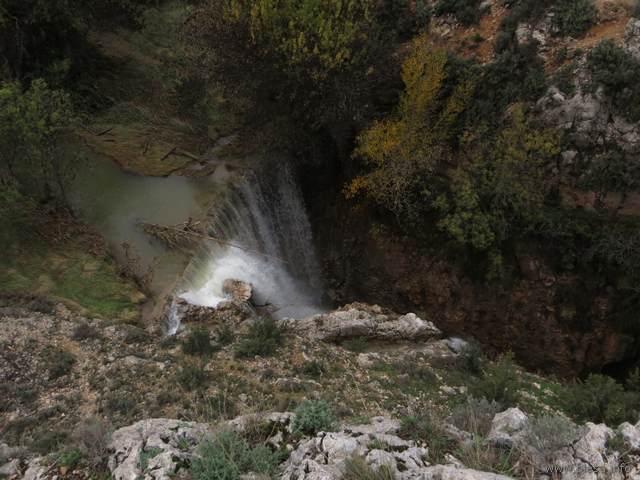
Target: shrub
column 227, row 456
column 198, row 343
column 617, row 71
column 225, row 335
column 59, row 362
column 119, row 403
column 314, row 368
column 356, row 345
column 192, row 376
column 486, row 457
column 84, row 331
column 549, row 433
column 574, row 17
column 472, row 359
column 633, row 380
column 428, row 428
column 466, row 12
column 564, row 79
column 356, row 468
column 499, row 383
column 475, row 416
column 92, row 438
column 313, row 416
column 263, row 339
column 600, row 399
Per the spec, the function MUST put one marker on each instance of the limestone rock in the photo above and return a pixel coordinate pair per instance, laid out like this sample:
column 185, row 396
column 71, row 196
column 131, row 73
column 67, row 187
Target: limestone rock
column 237, row 290
column 507, row 426
column 449, row 472
column 364, row 321
column 632, row 37
column 631, row 434
column 276, row 420
column 169, row 444
column 10, row 469
column 36, row 470
column 324, row 456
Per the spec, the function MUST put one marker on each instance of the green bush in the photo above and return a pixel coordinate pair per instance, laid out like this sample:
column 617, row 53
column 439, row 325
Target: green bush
column 574, row 17
column 617, row 71
column 227, row 456
column 472, row 359
column 564, row 79
column 198, row 343
column 499, row 383
column 263, row 339
column 466, row 12
column 600, row 399
column 313, row 416
column 314, row 368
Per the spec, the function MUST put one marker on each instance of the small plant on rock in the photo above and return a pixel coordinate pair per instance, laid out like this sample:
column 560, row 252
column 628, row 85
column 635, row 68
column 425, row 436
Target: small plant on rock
column 356, row 468
column 313, row 416
column 263, row 339
column 70, row 459
column 227, row 456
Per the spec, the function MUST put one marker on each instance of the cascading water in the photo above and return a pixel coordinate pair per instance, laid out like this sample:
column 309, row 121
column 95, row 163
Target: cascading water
column 268, row 243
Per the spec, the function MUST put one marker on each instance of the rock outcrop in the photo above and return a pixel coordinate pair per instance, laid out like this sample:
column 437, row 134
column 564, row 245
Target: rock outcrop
column 237, row 290
column 154, row 449
column 367, row 322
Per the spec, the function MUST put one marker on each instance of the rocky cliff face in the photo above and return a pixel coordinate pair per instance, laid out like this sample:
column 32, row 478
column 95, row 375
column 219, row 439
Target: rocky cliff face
column 530, row 317
column 534, row 316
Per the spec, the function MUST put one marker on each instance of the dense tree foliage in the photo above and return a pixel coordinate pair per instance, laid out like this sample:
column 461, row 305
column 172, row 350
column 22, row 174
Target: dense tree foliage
column 617, row 71
column 316, row 61
column 31, row 123
column 432, row 155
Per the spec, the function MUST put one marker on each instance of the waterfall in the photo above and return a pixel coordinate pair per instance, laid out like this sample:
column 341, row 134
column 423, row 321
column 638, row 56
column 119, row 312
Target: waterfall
column 264, row 220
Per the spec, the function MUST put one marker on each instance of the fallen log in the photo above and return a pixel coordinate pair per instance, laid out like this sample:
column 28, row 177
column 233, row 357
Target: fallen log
column 187, row 235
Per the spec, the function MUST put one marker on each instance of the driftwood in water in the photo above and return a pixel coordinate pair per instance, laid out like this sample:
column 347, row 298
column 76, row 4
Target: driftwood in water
column 189, row 235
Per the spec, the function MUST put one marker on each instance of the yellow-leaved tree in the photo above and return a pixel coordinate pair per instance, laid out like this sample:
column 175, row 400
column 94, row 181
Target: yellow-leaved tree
column 404, row 152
